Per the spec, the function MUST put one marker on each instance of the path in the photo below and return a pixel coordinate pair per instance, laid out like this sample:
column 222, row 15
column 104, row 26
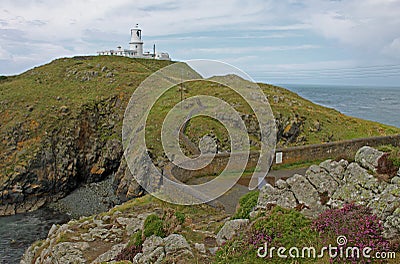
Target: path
column 230, row 199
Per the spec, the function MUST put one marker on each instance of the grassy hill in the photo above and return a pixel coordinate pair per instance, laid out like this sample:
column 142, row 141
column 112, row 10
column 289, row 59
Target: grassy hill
column 47, row 97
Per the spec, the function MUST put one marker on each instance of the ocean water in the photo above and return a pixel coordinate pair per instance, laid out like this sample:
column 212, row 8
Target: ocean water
column 380, row 104
column 18, row 232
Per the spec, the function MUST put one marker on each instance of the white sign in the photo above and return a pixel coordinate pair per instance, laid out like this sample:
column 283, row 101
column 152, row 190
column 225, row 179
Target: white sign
column 278, row 157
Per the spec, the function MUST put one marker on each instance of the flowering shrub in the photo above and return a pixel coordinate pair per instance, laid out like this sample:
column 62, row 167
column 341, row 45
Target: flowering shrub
column 259, row 238
column 129, row 253
column 357, row 223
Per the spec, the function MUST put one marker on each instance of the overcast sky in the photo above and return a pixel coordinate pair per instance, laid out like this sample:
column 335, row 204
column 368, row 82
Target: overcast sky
column 282, row 41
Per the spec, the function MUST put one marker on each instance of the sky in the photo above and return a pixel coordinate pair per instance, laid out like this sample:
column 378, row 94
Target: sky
column 352, row 42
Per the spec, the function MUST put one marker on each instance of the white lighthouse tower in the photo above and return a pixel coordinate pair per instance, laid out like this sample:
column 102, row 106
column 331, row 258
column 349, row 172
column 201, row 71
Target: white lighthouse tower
column 136, row 43
column 136, row 48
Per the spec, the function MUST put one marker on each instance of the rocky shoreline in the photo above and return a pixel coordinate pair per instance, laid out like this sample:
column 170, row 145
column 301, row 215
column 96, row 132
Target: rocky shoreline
column 89, row 199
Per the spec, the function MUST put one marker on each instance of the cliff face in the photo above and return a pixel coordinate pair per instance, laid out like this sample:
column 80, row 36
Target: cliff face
column 77, row 150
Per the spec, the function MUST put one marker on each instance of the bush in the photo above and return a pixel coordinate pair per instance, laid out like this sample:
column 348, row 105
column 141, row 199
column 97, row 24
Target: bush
column 128, row 253
column 136, row 239
column 355, row 222
column 180, row 216
column 153, row 225
column 247, row 202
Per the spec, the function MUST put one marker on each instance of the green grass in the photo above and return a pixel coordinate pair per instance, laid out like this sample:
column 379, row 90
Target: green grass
column 246, row 205
column 32, row 103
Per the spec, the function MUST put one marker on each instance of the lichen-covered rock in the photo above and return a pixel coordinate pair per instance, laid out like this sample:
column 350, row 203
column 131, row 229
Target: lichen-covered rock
column 231, row 229
column 357, row 175
column 276, row 196
column 395, row 180
column 368, row 158
column 334, row 168
column 392, row 224
column 109, row 255
column 155, row 249
column 176, row 245
column 67, row 252
column 156, row 256
column 200, row 247
column 133, row 224
column 306, row 194
column 151, row 243
column 321, row 179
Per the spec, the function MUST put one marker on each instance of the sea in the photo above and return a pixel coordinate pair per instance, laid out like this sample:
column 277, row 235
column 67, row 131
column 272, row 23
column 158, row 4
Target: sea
column 380, row 104
column 375, row 103
column 18, row 232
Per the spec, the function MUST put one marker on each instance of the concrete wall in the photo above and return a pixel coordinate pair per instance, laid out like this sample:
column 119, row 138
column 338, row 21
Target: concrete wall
column 334, row 150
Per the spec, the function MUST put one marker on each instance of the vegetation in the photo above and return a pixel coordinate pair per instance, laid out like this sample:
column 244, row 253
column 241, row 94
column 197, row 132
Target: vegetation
column 246, row 205
column 357, row 224
column 278, row 228
column 136, row 239
column 394, row 153
column 128, row 253
column 180, row 216
column 289, row 228
column 153, row 225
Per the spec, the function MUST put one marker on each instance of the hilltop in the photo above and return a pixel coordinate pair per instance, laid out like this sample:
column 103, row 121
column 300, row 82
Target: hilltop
column 61, row 125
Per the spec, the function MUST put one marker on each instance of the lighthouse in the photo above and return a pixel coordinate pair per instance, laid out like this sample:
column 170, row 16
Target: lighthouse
column 136, row 48
column 136, row 43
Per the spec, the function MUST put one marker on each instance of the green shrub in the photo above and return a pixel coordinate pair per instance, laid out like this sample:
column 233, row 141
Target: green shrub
column 247, row 202
column 180, row 216
column 136, row 239
column 153, row 225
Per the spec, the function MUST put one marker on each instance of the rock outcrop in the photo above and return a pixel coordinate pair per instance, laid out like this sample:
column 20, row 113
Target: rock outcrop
column 103, row 238
column 156, row 249
column 332, row 183
column 230, row 229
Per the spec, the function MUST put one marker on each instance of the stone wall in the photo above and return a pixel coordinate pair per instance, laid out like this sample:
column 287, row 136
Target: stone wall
column 334, row 150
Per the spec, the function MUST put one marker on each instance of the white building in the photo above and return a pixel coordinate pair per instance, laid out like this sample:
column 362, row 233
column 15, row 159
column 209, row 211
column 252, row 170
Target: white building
column 136, row 48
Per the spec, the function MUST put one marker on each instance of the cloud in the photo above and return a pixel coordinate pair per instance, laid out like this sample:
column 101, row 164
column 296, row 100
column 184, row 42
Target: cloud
column 393, row 49
column 366, row 32
column 370, row 25
column 241, row 50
